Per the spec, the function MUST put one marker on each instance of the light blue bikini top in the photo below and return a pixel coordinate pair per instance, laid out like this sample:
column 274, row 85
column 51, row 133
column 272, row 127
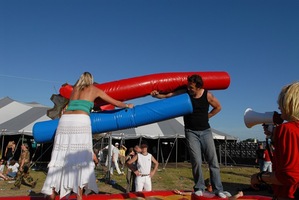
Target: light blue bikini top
column 79, row 104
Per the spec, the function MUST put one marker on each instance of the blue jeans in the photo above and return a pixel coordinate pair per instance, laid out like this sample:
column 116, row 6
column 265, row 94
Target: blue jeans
column 202, row 142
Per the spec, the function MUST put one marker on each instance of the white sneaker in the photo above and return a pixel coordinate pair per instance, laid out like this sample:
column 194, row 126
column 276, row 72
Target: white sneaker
column 224, row 194
column 198, row 193
column 204, row 194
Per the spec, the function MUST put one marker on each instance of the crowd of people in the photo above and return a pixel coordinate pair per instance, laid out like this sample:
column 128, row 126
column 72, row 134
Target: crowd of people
column 73, row 159
column 17, row 171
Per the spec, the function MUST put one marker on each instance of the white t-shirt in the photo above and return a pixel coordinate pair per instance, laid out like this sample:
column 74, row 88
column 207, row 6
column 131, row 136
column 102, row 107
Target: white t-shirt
column 2, row 168
column 14, row 168
column 144, row 163
column 115, row 153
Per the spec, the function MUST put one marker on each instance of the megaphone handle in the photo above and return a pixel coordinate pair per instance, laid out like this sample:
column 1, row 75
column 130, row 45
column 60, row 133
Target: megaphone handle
column 277, row 118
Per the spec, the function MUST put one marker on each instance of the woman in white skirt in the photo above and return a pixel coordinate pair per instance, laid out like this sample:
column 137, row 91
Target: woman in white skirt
column 71, row 167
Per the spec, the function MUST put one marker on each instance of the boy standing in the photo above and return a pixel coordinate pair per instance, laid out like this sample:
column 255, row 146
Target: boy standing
column 144, row 171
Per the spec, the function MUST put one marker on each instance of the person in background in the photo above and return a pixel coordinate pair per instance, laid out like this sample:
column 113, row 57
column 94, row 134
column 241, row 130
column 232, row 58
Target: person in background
column 122, row 156
column 71, row 168
column 12, row 169
column 267, row 166
column 199, row 134
column 115, row 159
column 260, row 156
column 2, row 167
column 268, row 131
column 144, row 171
column 10, row 150
column 285, row 176
column 24, row 162
column 111, row 153
column 24, row 178
column 137, row 149
column 24, row 159
column 130, row 176
column 95, row 157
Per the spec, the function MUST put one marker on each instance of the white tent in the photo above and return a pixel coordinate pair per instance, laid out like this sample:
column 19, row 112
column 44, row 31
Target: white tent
column 19, row 118
column 168, row 129
column 172, row 128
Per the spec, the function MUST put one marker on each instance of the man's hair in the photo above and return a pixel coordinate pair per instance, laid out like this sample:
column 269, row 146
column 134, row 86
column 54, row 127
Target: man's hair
column 195, row 79
column 143, row 144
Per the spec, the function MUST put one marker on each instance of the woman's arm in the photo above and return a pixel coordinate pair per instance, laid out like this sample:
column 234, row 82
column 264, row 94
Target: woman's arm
column 157, row 94
column 108, row 99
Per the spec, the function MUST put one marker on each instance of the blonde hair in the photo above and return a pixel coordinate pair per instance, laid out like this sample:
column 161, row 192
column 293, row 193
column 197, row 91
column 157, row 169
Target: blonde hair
column 288, row 101
column 85, row 80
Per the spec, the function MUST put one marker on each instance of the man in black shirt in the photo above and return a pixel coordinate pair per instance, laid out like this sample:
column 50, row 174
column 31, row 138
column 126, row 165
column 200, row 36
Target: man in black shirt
column 199, row 135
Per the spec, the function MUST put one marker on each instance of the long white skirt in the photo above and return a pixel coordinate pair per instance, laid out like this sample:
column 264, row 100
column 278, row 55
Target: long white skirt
column 71, row 164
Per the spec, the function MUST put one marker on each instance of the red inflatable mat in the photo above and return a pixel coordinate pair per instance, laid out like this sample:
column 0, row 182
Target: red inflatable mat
column 169, row 195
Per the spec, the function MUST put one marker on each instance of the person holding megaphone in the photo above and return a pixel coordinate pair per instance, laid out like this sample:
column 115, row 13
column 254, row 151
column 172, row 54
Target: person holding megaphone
column 285, row 176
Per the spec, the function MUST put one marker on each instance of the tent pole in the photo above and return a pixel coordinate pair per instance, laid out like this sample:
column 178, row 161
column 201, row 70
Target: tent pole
column 167, row 159
column 108, row 175
column 158, row 149
column 3, row 134
column 176, row 152
column 225, row 152
column 22, row 137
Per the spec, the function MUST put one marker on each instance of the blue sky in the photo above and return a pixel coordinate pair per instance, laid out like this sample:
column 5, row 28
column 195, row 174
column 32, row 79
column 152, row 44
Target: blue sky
column 44, row 44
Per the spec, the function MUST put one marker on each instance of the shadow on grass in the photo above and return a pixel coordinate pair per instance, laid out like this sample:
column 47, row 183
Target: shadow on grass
column 237, row 174
column 114, row 184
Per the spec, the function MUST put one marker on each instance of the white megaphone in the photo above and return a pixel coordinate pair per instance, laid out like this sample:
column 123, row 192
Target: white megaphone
column 252, row 118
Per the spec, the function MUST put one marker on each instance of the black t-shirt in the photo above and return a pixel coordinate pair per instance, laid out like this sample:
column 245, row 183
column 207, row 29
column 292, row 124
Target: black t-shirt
column 260, row 154
column 198, row 120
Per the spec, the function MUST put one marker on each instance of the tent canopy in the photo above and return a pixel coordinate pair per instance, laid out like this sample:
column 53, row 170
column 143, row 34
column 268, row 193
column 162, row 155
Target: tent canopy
column 19, row 118
column 172, row 128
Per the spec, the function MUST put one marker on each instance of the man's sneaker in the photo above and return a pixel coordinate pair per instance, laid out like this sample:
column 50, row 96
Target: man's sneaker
column 198, row 193
column 224, row 194
column 204, row 194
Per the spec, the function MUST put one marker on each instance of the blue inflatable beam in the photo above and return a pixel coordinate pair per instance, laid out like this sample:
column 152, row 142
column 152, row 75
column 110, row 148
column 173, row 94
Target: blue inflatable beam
column 118, row 119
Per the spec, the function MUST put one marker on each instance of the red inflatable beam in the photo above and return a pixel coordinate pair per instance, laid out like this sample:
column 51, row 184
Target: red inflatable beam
column 141, row 86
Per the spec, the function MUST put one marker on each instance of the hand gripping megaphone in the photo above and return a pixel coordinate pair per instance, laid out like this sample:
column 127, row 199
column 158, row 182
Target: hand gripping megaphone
column 252, row 118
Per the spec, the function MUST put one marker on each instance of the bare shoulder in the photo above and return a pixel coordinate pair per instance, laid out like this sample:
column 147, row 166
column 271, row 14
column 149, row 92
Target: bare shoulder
column 210, row 95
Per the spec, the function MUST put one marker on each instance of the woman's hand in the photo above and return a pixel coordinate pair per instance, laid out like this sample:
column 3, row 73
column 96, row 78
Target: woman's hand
column 154, row 93
column 129, row 105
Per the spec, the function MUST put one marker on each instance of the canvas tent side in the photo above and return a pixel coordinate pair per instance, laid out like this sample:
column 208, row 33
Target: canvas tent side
column 171, row 130
column 18, row 119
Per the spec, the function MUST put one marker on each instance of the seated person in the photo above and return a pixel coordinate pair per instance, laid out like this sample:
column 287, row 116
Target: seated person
column 12, row 169
column 2, row 167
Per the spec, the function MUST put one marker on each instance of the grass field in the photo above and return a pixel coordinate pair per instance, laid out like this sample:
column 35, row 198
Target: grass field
column 173, row 177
